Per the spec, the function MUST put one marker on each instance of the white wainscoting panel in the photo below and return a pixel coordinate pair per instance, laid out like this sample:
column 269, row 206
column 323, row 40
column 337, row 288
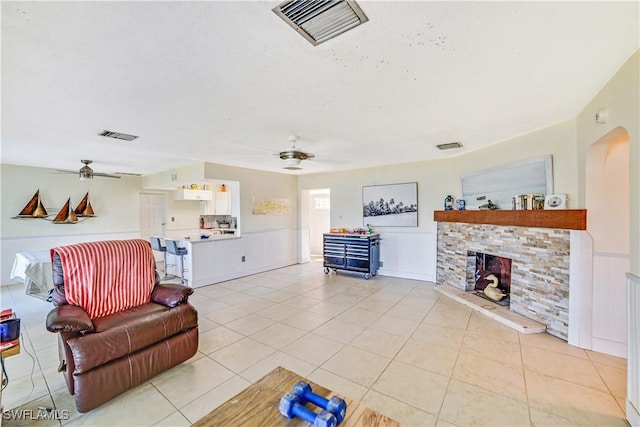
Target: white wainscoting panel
column 262, row 251
column 410, row 255
column 609, row 303
column 305, row 242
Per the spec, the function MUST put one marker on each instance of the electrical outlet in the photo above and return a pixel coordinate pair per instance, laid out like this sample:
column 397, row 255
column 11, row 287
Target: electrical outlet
column 243, row 258
column 173, row 219
column 380, row 263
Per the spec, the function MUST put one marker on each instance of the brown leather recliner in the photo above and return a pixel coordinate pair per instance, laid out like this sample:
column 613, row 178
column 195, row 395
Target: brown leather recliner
column 106, row 356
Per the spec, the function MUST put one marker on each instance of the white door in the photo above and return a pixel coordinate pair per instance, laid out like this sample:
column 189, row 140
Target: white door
column 315, row 219
column 319, row 219
column 152, row 217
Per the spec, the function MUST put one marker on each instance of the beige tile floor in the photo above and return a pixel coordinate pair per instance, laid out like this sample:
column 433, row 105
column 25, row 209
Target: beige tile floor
column 392, row 344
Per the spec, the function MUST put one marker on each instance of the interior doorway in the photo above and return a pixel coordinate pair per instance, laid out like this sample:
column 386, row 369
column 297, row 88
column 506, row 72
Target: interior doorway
column 608, row 205
column 315, row 219
column 153, row 219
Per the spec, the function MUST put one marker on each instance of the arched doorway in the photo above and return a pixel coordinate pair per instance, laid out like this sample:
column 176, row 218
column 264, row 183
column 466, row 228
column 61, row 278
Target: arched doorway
column 608, row 207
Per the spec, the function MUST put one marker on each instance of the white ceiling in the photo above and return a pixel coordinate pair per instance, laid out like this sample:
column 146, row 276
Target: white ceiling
column 228, row 82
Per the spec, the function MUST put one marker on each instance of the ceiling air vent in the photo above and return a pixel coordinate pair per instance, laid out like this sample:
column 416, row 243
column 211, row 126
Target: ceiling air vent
column 320, row 20
column 449, row 146
column 118, row 135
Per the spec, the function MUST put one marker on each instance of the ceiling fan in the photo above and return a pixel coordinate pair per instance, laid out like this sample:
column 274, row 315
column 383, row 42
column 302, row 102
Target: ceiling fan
column 86, row 173
column 293, row 156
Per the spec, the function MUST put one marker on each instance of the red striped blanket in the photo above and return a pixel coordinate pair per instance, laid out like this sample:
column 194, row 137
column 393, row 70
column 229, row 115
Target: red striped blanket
column 107, row 276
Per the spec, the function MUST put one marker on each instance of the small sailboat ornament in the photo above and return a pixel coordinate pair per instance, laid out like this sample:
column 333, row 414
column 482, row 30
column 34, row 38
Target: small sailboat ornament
column 84, row 207
column 66, row 214
column 34, row 208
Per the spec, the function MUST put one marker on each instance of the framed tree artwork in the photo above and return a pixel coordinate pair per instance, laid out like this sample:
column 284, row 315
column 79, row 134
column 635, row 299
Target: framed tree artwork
column 391, row 205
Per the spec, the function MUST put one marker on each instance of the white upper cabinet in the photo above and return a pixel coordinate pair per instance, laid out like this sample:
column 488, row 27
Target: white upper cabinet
column 223, row 203
column 219, row 205
column 185, row 194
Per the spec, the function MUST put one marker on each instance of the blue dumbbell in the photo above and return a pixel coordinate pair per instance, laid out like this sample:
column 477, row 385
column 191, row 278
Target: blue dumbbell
column 291, row 406
column 335, row 405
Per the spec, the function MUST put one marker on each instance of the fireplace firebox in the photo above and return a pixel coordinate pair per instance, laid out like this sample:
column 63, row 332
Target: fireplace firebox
column 492, row 277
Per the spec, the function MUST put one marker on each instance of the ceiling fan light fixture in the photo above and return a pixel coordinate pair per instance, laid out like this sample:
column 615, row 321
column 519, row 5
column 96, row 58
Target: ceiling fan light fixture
column 292, row 164
column 292, row 168
column 85, row 172
column 292, row 161
column 85, row 176
column 293, row 156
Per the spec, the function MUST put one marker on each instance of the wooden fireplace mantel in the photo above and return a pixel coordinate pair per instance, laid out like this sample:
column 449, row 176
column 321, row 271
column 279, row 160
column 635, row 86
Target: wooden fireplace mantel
column 568, row 219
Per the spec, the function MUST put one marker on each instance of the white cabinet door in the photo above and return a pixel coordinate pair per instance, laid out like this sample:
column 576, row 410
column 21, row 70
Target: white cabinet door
column 205, row 195
column 223, row 203
column 234, row 251
column 220, row 205
column 185, row 194
column 207, row 207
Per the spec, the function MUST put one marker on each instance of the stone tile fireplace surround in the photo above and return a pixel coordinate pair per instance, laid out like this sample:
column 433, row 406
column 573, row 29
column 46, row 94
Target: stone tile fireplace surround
column 549, row 252
column 539, row 273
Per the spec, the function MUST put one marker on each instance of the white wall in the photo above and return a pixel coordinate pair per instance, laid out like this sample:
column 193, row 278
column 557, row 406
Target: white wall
column 558, row 140
column 405, row 251
column 115, row 202
column 621, row 96
column 259, row 185
column 410, row 251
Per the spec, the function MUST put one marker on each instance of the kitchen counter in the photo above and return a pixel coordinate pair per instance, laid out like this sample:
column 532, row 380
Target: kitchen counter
column 212, row 238
column 207, row 261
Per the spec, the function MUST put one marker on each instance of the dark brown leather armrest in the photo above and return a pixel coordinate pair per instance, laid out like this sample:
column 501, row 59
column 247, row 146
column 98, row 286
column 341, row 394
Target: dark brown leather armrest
column 69, row 318
column 170, row 295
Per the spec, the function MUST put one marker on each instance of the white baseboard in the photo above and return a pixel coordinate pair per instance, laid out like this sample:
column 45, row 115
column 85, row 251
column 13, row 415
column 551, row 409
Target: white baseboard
column 633, row 415
column 406, row 275
column 610, row 347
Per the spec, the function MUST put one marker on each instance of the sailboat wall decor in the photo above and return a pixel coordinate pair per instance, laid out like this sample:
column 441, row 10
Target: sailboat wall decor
column 34, row 208
column 84, row 207
column 66, row 214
